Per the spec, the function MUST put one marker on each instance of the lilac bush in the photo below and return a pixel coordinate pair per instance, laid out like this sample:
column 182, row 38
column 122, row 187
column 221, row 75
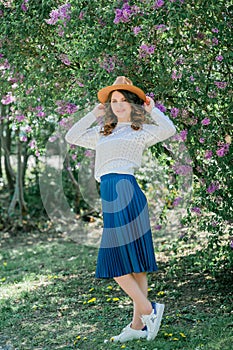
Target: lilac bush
column 178, row 51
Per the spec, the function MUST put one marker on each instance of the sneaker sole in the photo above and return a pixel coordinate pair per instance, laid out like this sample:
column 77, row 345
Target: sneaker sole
column 159, row 313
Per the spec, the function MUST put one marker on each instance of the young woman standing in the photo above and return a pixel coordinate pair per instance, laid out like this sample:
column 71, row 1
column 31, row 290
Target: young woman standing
column 126, row 252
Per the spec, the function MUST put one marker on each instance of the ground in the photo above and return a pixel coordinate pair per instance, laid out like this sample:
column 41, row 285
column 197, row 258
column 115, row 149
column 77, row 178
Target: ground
column 49, row 298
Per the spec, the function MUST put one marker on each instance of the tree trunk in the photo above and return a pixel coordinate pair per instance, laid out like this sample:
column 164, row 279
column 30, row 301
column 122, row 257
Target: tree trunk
column 18, row 197
column 6, row 147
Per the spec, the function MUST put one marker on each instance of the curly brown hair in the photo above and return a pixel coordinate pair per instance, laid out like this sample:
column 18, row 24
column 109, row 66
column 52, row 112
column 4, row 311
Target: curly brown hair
column 138, row 113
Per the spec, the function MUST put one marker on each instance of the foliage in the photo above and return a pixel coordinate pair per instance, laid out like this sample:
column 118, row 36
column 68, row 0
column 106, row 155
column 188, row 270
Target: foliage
column 55, row 56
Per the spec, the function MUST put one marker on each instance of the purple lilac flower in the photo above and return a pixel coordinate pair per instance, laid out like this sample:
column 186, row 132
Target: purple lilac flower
column 41, row 114
column 215, row 41
column 222, row 151
column 81, row 15
column 221, row 84
column 88, row 153
column 64, row 58
column 146, row 50
column 151, row 94
column 196, row 210
column 208, row 154
column 182, row 170
column 66, row 107
column 191, row 78
column 108, row 63
column 205, row 121
column 80, row 84
column 136, row 30
column 174, row 112
column 23, row 138
column 158, row 4
column 161, row 27
column 28, row 129
column 9, row 98
column 215, row 30
column 60, row 31
column 124, row 14
column 61, row 13
column 32, row 144
column 201, row 140
column 176, row 75
column 24, row 6
column 53, row 138
column 213, row 187
column 231, row 244
column 183, row 134
column 20, row 118
column 160, row 106
column 177, row 201
column 219, row 58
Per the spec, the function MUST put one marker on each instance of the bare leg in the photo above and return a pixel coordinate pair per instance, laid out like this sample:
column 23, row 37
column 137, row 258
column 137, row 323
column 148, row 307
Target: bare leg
column 136, row 290
column 141, row 279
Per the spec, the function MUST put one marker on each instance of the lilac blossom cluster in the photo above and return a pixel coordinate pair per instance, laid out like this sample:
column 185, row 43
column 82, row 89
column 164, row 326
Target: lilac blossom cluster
column 146, row 50
column 24, row 5
column 61, row 13
column 125, row 13
column 7, row 99
column 223, row 149
column 160, row 106
column 108, row 63
column 66, row 107
column 214, row 186
column 64, row 58
column 182, row 169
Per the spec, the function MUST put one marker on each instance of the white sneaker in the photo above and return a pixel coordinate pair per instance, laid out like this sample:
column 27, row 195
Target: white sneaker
column 153, row 320
column 129, row 333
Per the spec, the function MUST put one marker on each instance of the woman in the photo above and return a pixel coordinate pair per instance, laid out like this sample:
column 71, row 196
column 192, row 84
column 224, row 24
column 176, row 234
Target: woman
column 126, row 251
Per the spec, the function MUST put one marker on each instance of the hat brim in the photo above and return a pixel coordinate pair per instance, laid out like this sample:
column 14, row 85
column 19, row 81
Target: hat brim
column 104, row 93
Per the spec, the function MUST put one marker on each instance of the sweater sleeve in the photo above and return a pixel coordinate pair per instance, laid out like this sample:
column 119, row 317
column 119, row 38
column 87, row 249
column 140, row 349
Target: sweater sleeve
column 82, row 135
column 163, row 129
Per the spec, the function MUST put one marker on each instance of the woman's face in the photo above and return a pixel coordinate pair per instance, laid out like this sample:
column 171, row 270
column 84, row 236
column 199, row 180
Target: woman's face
column 120, row 107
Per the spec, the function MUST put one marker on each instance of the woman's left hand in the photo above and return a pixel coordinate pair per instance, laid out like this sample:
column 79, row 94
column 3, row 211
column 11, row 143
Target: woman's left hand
column 149, row 104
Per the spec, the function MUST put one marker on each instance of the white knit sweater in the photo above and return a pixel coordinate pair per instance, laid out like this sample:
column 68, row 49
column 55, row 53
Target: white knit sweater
column 121, row 151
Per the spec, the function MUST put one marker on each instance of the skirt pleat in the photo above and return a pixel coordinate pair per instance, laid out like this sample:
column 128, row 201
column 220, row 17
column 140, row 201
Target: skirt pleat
column 126, row 244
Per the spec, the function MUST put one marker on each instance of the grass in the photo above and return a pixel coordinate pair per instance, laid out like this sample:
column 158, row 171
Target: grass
column 50, row 299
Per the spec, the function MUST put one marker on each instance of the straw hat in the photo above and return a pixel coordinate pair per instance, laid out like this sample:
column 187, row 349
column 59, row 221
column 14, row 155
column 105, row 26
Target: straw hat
column 121, row 83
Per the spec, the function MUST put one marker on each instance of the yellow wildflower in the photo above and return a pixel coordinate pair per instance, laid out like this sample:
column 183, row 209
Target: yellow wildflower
column 123, row 346
column 175, row 339
column 182, row 335
column 115, row 299
column 161, row 293
column 109, row 299
column 109, row 287
column 90, row 290
column 91, row 300
column 78, row 337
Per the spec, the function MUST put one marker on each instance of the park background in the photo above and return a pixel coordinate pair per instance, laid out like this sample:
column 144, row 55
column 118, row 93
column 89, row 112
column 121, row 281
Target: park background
column 54, row 56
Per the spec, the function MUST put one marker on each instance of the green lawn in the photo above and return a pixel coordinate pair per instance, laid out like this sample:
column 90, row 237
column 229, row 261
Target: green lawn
column 49, row 299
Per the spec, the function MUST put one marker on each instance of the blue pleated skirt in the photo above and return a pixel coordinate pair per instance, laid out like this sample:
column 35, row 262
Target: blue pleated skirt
column 126, row 244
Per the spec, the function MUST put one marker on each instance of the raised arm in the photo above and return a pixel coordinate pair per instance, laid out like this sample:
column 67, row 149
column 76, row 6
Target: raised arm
column 163, row 129
column 82, row 134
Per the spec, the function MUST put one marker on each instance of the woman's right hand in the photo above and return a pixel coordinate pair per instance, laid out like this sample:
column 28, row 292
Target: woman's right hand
column 99, row 110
